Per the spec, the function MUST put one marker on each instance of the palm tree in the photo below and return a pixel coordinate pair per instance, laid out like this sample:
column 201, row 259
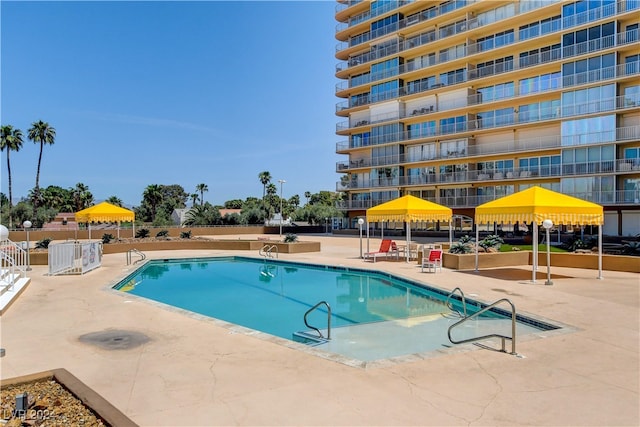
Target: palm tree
column 11, row 139
column 265, row 178
column 194, row 198
column 153, row 195
column 82, row 197
column 202, row 188
column 307, row 195
column 41, row 132
column 115, row 200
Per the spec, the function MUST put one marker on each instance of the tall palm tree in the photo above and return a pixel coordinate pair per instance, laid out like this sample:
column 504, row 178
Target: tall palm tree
column 307, row 195
column 194, row 198
column 11, row 139
column 42, row 133
column 265, row 178
column 202, row 188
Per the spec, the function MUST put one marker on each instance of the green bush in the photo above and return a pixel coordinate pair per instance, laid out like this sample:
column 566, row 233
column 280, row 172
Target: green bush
column 185, row 234
column 142, row 233
column 43, row 244
column 461, row 248
column 163, row 233
column 107, row 238
column 290, row 238
column 492, row 241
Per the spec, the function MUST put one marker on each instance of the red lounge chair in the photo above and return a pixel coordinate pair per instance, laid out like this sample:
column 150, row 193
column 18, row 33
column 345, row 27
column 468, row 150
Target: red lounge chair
column 387, row 247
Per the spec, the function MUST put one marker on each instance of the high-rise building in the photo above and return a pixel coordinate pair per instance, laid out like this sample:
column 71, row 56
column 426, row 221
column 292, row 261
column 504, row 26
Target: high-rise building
column 464, row 101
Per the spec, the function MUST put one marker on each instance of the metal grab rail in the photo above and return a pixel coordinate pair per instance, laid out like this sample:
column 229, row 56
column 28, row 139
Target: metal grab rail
column 328, row 319
column 137, row 252
column 267, row 251
column 503, row 337
column 464, row 303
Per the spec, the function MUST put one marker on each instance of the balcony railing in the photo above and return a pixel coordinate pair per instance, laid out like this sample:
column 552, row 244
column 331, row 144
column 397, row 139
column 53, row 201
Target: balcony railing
column 629, row 133
column 613, row 197
column 490, row 176
column 501, row 121
column 553, row 84
column 627, row 37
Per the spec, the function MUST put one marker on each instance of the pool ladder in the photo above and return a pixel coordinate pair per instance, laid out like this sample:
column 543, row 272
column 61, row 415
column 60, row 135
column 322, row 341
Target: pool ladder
column 267, row 251
column 137, row 252
column 328, row 319
column 465, row 318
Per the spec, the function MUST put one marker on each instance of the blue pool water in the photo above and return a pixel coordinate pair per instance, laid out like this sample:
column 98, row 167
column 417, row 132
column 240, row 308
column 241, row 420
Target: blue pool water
column 374, row 315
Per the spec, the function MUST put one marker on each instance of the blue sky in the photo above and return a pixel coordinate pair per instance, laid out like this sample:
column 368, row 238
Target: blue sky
column 167, row 93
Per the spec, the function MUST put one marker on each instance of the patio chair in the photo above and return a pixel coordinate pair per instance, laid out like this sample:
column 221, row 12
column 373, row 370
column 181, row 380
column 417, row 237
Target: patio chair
column 387, row 247
column 432, row 260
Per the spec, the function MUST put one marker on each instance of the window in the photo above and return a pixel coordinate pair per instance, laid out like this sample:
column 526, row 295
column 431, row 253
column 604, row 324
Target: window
column 588, row 131
column 384, row 70
column 537, row 56
column 453, row 77
column 384, row 91
column 453, row 124
column 589, row 70
column 421, row 130
column 539, row 83
column 495, row 40
column 492, row 93
column 598, row 37
column 591, row 100
column 421, row 85
column 385, row 134
column 360, row 140
column 499, row 65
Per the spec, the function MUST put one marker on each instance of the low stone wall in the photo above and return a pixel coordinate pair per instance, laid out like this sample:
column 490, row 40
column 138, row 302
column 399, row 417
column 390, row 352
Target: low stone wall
column 558, row 259
column 42, row 258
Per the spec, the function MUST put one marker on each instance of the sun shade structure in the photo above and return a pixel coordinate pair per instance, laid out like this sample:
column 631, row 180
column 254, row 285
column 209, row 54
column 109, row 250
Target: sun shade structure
column 408, row 209
column 104, row 212
column 536, row 204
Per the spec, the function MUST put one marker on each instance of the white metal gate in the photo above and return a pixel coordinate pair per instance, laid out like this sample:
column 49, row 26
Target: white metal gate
column 74, row 257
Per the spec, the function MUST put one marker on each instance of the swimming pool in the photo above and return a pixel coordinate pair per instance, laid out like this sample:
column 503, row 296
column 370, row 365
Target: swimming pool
column 374, row 315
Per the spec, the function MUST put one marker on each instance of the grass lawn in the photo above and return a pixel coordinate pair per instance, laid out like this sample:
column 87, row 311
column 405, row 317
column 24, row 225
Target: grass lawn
column 541, row 248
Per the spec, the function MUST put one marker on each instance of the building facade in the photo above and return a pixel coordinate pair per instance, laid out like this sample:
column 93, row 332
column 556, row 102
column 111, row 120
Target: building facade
column 465, row 101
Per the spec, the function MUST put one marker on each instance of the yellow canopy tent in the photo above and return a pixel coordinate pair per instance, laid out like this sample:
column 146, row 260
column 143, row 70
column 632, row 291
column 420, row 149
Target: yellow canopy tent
column 104, row 212
column 408, row 209
column 536, row 204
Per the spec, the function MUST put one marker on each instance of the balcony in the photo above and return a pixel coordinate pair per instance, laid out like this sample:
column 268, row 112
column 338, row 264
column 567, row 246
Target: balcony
column 606, row 198
column 591, row 46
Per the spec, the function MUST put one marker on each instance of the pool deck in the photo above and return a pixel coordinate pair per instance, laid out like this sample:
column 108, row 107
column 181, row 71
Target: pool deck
column 194, row 371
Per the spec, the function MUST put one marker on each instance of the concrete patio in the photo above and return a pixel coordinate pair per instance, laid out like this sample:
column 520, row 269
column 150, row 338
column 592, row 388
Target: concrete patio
column 196, row 371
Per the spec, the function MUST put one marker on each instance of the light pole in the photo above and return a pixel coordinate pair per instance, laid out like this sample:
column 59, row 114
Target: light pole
column 281, row 181
column 547, row 224
column 27, row 225
column 360, row 222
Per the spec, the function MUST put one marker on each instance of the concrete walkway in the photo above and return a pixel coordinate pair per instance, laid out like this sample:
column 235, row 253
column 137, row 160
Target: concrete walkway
column 194, row 371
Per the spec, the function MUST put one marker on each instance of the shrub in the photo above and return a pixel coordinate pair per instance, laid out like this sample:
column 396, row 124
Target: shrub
column 290, row 238
column 466, row 239
column 107, row 238
column 492, row 241
column 43, row 244
column 163, row 233
column 460, row 248
column 142, row 233
column 185, row 234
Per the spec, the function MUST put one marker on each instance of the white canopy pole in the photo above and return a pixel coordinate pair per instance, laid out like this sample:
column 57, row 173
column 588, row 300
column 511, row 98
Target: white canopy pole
column 408, row 249
column 368, row 236
column 477, row 238
column 600, row 251
column 89, row 231
column 535, row 251
column 450, row 233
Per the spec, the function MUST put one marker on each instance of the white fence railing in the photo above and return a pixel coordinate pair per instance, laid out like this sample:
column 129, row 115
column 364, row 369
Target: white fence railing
column 74, row 257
